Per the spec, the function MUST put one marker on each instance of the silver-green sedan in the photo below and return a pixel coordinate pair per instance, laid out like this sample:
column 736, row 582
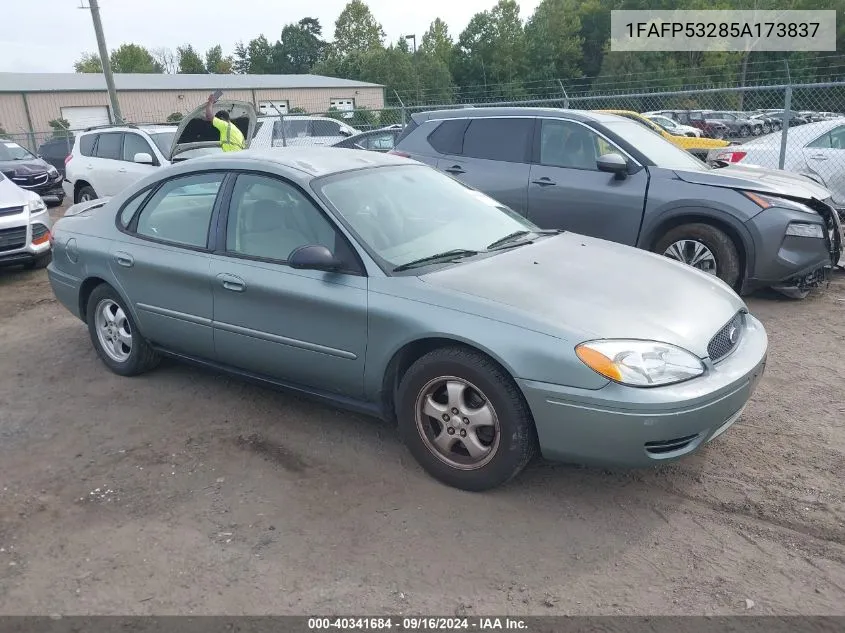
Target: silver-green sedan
column 392, row 289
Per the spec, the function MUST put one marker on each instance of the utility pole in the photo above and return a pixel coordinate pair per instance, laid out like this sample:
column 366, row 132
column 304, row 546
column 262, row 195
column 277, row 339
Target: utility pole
column 104, row 59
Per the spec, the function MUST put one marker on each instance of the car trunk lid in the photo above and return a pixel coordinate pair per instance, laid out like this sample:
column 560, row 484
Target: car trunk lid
column 195, row 133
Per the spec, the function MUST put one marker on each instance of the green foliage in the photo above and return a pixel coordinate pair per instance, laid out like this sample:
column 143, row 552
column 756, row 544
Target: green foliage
column 299, row 47
column 297, row 110
column 356, row 30
column 174, row 117
column 88, row 63
column 215, row 63
column 3, row 132
column 553, row 41
column 190, row 62
column 131, row 58
column 60, row 128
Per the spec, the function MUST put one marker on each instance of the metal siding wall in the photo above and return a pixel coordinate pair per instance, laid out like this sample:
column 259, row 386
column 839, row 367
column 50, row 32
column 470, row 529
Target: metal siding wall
column 12, row 113
column 156, row 105
column 319, row 99
column 46, row 106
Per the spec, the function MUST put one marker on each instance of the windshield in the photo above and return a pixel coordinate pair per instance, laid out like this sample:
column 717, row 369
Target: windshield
column 164, row 141
column 13, row 151
column 409, row 212
column 657, row 149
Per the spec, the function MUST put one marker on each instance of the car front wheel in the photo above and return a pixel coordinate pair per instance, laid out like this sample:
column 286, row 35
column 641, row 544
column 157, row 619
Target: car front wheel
column 464, row 419
column 744, row 131
column 704, row 247
column 115, row 336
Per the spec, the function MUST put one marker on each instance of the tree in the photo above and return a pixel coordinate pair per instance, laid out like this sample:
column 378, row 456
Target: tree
column 215, row 63
column 174, row 117
column 434, row 81
column 260, row 55
column 88, row 63
column 131, row 58
column 165, row 57
column 189, row 61
column 61, row 128
column 553, row 41
column 437, row 42
column 356, row 30
column 240, row 60
column 299, row 47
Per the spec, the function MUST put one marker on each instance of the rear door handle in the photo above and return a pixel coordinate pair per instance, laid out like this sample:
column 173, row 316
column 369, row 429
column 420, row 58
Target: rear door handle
column 122, row 170
column 818, row 156
column 455, row 169
column 231, row 282
column 124, row 259
column 544, row 181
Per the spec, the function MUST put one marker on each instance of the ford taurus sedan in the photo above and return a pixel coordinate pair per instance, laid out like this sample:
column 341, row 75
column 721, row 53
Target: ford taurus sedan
column 386, row 287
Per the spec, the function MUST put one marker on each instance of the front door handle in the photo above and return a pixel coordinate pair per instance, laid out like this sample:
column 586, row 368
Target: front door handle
column 122, row 170
column 124, row 259
column 455, row 169
column 544, row 181
column 231, row 282
column 818, row 156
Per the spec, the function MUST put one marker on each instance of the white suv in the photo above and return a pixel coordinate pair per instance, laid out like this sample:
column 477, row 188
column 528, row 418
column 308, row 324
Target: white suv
column 107, row 159
column 300, row 131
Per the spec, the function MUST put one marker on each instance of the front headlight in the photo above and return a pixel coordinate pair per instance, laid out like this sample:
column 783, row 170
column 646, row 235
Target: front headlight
column 764, row 202
column 52, row 171
column 640, row 363
column 801, row 229
column 36, row 206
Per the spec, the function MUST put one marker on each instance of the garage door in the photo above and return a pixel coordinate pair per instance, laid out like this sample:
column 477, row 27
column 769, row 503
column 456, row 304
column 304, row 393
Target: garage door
column 271, row 108
column 81, row 117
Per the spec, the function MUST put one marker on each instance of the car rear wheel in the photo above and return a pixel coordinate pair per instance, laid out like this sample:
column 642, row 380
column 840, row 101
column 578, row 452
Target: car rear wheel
column 767, row 128
column 115, row 336
column 86, row 194
column 718, row 134
column 464, row 419
column 744, row 131
column 704, row 247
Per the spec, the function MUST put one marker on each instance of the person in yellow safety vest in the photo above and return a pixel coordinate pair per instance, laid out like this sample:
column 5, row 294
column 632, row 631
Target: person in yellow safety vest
column 231, row 138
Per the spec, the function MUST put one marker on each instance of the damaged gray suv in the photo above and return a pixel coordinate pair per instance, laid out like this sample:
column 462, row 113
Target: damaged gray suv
column 609, row 177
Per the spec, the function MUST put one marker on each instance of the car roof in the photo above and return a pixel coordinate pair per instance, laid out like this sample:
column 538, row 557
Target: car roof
column 473, row 113
column 314, row 161
column 149, row 129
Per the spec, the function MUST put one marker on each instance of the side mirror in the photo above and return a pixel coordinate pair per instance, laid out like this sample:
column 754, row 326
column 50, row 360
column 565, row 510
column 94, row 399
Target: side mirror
column 143, row 158
column 313, row 257
column 613, row 163
column 345, row 132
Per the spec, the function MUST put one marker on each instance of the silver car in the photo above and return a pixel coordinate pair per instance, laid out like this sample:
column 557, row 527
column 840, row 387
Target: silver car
column 384, row 286
column 24, row 227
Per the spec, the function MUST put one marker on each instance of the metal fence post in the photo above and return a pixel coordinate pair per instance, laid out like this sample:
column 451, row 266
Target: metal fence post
column 784, row 133
column 401, row 105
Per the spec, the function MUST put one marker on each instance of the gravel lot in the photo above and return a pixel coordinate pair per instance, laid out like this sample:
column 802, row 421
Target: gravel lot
column 186, row 492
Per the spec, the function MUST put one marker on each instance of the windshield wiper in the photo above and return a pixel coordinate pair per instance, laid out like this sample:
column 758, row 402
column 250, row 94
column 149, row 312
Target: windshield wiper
column 454, row 254
column 507, row 239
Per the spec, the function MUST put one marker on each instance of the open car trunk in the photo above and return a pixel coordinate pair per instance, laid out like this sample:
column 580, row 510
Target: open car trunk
column 195, row 133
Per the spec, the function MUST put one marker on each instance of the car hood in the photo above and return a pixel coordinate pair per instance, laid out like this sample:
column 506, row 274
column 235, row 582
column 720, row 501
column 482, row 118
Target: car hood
column 29, row 167
column 13, row 196
column 762, row 179
column 593, row 288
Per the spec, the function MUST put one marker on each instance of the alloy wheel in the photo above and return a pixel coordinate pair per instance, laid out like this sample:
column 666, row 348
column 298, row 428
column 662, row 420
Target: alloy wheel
column 113, row 330
column 693, row 253
column 457, row 423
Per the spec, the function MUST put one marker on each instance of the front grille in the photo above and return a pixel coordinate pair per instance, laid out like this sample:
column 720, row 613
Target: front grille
column 669, row 446
column 10, row 211
column 30, row 181
column 10, row 239
column 727, row 338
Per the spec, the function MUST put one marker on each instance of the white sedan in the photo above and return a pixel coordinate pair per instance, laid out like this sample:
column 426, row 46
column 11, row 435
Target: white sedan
column 672, row 126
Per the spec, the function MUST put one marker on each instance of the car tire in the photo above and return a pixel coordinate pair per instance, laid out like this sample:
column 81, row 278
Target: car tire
column 456, row 378
column 117, row 340
column 744, row 131
column 719, row 134
column 86, row 193
column 39, row 262
column 767, row 128
column 717, row 242
column 57, row 203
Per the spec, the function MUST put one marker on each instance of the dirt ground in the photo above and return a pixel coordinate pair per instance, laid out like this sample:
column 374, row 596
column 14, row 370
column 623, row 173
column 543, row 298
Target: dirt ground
column 184, row 492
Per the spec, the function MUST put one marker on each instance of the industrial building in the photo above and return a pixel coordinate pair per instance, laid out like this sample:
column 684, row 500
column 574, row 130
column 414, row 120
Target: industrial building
column 29, row 101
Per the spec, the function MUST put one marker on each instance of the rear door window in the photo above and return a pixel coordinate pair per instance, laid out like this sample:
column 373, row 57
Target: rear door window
column 109, row 145
column 325, row 127
column 86, row 144
column 505, row 140
column 448, row 137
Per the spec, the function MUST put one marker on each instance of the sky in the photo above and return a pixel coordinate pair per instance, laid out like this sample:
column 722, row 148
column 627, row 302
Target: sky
column 49, row 35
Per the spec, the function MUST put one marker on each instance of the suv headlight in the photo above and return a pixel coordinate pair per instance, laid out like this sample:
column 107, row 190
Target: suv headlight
column 52, row 171
column 639, row 363
column 803, row 229
column 36, row 206
column 764, row 202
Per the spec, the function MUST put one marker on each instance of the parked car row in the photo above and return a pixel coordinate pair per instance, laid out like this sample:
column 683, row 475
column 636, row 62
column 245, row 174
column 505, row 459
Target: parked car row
column 732, row 124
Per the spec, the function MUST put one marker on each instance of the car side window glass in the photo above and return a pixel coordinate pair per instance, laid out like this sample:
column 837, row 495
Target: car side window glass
column 128, row 211
column 380, row 142
column 503, row 140
column 269, row 218
column 837, row 138
column 109, row 145
column 86, row 144
column 134, row 144
column 180, row 211
column 823, row 142
column 325, row 127
column 571, row 145
column 448, row 137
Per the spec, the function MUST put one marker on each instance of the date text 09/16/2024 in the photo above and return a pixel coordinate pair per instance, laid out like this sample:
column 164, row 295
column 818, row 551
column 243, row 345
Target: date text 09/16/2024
column 419, row 623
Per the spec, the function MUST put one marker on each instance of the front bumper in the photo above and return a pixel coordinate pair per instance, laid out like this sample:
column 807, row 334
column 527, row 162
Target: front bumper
column 17, row 234
column 633, row 427
column 51, row 188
